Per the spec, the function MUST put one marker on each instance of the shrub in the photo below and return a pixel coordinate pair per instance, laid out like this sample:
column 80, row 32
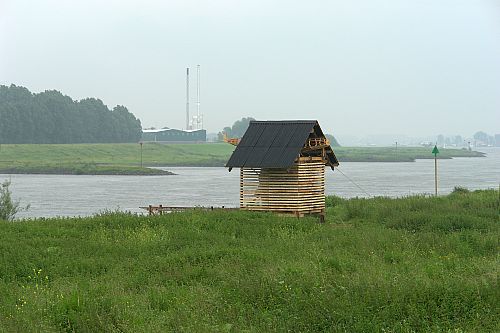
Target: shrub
column 333, row 200
column 8, row 207
column 460, row 190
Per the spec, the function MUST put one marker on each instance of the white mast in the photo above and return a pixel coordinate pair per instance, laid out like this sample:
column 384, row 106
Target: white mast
column 198, row 119
column 187, row 98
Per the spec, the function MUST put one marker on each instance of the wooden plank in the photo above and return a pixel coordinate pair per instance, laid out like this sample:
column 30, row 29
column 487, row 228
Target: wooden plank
column 299, row 189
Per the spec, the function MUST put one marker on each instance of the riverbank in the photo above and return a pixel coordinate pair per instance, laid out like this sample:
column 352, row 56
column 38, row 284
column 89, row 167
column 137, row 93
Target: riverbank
column 401, row 154
column 410, row 264
column 82, row 169
column 125, row 159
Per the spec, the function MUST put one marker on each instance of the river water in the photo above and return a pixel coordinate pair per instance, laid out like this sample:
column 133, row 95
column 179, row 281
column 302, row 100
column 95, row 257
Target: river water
column 68, row 195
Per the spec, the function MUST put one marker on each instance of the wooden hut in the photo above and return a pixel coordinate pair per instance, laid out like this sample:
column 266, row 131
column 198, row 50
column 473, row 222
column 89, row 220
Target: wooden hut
column 282, row 167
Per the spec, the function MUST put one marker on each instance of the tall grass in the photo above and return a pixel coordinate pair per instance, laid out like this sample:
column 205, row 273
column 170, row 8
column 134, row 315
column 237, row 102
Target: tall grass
column 415, row 264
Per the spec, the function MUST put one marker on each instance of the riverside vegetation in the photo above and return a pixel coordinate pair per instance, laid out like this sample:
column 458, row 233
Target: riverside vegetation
column 8, row 206
column 125, row 158
column 415, row 264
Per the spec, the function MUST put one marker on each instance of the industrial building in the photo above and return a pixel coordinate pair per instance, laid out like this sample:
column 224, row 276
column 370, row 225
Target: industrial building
column 174, row 135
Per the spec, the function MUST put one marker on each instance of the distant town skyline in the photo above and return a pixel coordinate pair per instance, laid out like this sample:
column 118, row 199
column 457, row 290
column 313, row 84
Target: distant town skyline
column 362, row 67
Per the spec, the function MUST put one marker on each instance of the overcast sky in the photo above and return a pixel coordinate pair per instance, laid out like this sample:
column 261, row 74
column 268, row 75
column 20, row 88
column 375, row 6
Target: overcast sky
column 360, row 67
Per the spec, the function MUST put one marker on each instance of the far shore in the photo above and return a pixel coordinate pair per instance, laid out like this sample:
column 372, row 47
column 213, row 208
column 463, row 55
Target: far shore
column 133, row 159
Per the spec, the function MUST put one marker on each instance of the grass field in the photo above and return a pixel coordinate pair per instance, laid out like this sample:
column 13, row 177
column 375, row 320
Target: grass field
column 417, row 264
column 126, row 158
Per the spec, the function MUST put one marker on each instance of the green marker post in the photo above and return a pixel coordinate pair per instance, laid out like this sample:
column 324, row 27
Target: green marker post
column 141, row 143
column 435, row 151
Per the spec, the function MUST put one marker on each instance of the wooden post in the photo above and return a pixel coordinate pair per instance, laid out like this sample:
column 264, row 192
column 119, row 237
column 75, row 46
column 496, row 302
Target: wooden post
column 396, row 151
column 322, row 217
column 141, row 152
column 241, row 189
column 160, row 209
column 435, row 151
column 436, row 175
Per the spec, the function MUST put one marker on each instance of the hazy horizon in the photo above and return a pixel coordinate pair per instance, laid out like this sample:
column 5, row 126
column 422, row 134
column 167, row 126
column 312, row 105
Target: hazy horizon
column 360, row 67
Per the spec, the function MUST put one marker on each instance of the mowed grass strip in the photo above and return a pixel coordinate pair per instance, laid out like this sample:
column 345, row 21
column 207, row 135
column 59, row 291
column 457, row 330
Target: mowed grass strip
column 416, row 264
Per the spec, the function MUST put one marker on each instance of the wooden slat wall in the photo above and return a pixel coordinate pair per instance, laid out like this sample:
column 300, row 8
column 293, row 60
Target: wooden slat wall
column 299, row 190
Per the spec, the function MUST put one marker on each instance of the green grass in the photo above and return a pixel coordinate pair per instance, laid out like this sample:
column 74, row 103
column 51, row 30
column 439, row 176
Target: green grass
column 417, row 264
column 107, row 158
column 94, row 158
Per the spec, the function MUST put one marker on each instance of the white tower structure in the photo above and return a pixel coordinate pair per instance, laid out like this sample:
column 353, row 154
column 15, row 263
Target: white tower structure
column 197, row 120
column 199, row 124
column 187, row 99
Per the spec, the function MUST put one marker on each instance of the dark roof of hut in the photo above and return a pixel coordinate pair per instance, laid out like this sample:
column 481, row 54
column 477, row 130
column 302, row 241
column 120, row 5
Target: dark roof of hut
column 275, row 144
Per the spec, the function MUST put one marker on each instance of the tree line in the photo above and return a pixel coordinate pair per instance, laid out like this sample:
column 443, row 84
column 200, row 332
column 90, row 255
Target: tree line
column 51, row 117
column 237, row 130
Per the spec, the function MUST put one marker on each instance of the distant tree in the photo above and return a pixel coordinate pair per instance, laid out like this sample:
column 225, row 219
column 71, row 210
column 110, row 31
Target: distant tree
column 240, row 127
column 54, row 118
column 51, row 117
column 481, row 136
column 127, row 127
column 228, row 131
column 237, row 130
column 333, row 141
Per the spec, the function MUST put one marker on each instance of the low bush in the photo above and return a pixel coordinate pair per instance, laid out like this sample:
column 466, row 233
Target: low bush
column 8, row 206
